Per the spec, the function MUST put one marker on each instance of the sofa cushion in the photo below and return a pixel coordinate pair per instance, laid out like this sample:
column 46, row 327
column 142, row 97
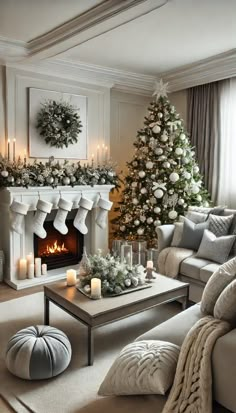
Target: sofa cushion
column 191, row 267
column 196, row 217
column 175, row 329
column 142, row 367
column 215, row 248
column 192, row 234
column 207, row 271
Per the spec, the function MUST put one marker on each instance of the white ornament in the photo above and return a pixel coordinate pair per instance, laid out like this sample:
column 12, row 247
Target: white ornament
column 206, row 204
column 135, row 201
column 134, row 184
column 160, row 115
column 145, row 207
column 156, row 129
column 4, row 174
column 187, row 175
column 171, row 191
column 143, row 138
column 174, row 177
column 164, row 138
column 195, row 189
column 178, row 151
column 158, row 151
column 153, row 176
column 182, row 136
column 122, row 228
column 172, row 109
column 181, row 201
column 143, row 191
column 185, row 161
column 158, row 193
column 157, row 210
column 136, row 222
column 140, row 231
column 141, row 174
column 195, row 169
column 150, row 220
column 142, row 218
column 199, row 198
column 166, row 164
column 153, row 200
column 157, row 222
column 173, row 214
column 149, row 165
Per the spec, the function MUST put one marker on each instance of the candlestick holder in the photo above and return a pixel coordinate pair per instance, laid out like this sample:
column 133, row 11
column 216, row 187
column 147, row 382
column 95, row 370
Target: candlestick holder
column 149, row 274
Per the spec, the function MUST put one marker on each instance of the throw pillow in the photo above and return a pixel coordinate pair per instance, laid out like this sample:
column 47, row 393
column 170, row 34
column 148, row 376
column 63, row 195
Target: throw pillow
column 216, row 284
column 218, row 210
column 220, row 225
column 178, row 232
column 232, row 231
column 143, row 367
column 196, row 217
column 215, row 248
column 225, row 308
column 192, row 234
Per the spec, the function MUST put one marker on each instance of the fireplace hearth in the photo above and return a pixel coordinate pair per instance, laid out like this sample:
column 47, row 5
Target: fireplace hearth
column 58, row 250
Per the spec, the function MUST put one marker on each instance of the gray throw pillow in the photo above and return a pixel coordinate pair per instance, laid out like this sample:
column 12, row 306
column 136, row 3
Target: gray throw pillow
column 225, row 308
column 196, row 217
column 215, row 248
column 192, row 234
column 220, row 225
column 178, row 232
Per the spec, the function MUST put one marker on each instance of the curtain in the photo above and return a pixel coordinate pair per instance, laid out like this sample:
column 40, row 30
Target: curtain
column 204, row 129
column 227, row 175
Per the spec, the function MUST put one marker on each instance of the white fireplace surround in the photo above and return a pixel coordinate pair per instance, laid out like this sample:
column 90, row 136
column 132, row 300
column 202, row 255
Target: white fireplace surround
column 16, row 246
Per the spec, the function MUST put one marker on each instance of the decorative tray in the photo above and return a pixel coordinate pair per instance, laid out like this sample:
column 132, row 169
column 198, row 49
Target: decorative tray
column 128, row 290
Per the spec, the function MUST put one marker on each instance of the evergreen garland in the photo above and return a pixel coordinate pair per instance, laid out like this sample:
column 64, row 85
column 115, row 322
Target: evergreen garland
column 59, row 123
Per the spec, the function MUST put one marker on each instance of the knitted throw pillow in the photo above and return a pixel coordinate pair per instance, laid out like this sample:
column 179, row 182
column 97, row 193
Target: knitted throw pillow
column 220, row 225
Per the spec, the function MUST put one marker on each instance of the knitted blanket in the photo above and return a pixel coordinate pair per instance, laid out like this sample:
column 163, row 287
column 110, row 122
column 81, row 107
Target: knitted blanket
column 192, row 388
column 170, row 258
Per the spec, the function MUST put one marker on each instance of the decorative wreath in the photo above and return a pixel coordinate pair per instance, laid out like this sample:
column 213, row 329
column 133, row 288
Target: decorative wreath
column 59, row 123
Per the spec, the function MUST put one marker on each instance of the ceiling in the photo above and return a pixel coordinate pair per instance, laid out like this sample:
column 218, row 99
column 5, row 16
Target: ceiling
column 150, row 42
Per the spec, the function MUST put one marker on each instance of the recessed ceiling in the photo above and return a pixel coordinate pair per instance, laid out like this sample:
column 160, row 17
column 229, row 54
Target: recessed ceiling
column 26, row 19
column 181, row 32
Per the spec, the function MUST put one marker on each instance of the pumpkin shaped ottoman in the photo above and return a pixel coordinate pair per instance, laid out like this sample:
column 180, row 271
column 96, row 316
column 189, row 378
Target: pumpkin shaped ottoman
column 38, row 352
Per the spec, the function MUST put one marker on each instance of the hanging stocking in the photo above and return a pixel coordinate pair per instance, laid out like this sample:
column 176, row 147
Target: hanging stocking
column 85, row 205
column 43, row 208
column 18, row 212
column 104, row 207
column 59, row 222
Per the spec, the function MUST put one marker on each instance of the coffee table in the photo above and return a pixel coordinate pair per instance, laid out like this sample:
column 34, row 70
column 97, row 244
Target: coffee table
column 95, row 313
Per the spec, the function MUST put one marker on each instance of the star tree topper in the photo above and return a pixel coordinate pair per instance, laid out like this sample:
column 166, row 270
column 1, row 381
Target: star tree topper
column 161, row 89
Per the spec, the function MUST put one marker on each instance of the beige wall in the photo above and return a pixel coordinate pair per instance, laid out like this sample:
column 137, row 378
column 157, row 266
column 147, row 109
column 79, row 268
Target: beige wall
column 2, row 109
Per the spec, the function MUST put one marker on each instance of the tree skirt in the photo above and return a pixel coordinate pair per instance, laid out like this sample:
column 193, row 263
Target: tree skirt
column 75, row 390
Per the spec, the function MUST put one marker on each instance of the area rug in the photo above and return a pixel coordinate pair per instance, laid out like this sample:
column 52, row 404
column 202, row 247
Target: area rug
column 75, row 390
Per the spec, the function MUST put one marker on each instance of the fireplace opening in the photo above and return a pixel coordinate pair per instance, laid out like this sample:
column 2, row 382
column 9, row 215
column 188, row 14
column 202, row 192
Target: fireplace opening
column 58, row 250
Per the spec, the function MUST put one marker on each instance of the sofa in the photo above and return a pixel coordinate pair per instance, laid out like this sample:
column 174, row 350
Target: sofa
column 193, row 270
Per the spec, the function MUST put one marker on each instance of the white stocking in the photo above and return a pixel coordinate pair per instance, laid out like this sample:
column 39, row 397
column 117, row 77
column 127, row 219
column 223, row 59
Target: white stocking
column 18, row 212
column 85, row 205
column 43, row 208
column 59, row 222
column 104, row 207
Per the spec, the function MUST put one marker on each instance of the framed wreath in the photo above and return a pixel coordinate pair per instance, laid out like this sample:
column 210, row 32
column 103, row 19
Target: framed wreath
column 59, row 123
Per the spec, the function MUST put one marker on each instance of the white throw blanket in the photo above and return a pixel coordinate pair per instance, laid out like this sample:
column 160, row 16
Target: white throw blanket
column 192, row 388
column 170, row 258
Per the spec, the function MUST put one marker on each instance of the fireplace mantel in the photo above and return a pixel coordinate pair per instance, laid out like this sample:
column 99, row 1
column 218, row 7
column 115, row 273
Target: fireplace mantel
column 16, row 246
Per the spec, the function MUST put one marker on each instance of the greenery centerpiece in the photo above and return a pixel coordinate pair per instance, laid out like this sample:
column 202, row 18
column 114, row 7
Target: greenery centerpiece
column 116, row 276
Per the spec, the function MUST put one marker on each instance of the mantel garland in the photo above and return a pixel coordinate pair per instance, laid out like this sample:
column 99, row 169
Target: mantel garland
column 53, row 173
column 59, row 123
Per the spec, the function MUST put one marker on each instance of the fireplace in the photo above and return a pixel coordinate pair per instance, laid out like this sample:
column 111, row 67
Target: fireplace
column 57, row 250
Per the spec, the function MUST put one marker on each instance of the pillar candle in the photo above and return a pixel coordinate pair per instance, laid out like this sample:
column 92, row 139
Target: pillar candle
column 71, row 277
column 95, row 288
column 30, row 271
column 22, row 269
column 30, row 258
column 106, row 155
column 98, row 155
column 44, row 269
column 150, row 264
column 38, row 267
column 103, row 154
column 14, row 150
column 8, row 149
column 25, row 156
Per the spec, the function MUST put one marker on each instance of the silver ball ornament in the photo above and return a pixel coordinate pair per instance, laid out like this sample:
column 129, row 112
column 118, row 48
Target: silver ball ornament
column 150, row 220
column 73, row 179
column 156, row 129
column 195, row 169
column 122, row 228
column 4, row 174
column 141, row 174
column 174, row 177
column 140, row 231
column 199, row 198
column 158, row 193
column 164, row 138
column 157, row 210
column 181, row 201
column 135, row 201
column 179, row 151
column 166, row 165
column 134, row 184
column 142, row 218
column 149, row 165
column 173, row 214
column 66, row 180
column 195, row 189
column 10, row 179
column 143, row 190
column 136, row 222
column 160, row 115
column 158, row 151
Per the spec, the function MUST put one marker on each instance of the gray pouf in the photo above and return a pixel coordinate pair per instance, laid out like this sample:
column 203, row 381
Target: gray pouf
column 38, row 352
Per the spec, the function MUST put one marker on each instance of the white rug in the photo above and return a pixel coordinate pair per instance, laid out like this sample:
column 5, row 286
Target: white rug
column 75, row 390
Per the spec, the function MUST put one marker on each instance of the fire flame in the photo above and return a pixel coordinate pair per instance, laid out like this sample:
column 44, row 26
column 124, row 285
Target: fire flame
column 55, row 248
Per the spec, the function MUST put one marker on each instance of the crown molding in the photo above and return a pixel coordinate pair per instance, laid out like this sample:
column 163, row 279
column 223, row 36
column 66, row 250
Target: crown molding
column 221, row 66
column 12, row 50
column 96, row 21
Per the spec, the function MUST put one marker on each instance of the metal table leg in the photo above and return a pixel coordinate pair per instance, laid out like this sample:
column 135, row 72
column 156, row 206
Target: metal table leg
column 90, row 346
column 46, row 310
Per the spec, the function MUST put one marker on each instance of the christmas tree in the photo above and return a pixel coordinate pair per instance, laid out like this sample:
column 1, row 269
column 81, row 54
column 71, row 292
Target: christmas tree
column 163, row 177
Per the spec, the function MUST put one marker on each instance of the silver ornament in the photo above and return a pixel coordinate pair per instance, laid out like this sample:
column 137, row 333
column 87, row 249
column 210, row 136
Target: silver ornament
column 141, row 174
column 10, row 179
column 4, row 174
column 149, row 165
column 157, row 210
column 66, row 180
column 174, row 177
column 158, row 193
column 73, row 179
column 140, row 231
column 50, row 180
column 150, row 220
column 143, row 191
column 158, row 151
column 173, row 214
column 136, row 222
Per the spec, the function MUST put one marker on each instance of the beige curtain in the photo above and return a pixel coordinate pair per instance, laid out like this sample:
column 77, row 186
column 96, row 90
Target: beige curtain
column 203, row 124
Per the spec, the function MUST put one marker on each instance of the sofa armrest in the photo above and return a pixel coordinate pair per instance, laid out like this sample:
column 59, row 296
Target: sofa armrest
column 164, row 235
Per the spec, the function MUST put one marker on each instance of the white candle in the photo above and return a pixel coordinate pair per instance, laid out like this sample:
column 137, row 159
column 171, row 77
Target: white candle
column 38, row 267
column 14, row 150
column 106, row 155
column 150, row 264
column 30, row 270
column 30, row 258
column 95, row 288
column 71, row 277
column 22, row 269
column 44, row 269
column 98, row 155
column 103, row 153
column 8, row 149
